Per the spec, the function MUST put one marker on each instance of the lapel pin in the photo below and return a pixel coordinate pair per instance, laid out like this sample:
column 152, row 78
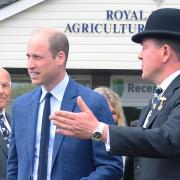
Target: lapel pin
column 162, row 100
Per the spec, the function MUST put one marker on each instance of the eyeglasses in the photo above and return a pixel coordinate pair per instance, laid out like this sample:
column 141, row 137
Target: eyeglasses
column 5, row 85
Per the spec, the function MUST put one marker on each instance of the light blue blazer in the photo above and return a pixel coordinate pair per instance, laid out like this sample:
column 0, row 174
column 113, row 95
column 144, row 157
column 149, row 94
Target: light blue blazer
column 73, row 159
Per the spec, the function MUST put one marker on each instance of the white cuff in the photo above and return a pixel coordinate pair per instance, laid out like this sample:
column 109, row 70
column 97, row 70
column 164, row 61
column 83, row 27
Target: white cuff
column 107, row 143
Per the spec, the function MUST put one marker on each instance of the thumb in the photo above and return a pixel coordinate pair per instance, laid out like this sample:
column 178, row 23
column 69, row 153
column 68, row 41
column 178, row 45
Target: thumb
column 82, row 105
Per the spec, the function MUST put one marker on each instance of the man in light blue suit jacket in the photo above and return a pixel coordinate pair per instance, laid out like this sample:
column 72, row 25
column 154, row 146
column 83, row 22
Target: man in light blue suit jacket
column 69, row 158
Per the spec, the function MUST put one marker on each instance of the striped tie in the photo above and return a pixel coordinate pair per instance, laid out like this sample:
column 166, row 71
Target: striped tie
column 4, row 130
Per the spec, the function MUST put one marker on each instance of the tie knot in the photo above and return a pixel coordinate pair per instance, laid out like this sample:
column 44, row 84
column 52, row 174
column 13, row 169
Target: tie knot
column 158, row 91
column 48, row 95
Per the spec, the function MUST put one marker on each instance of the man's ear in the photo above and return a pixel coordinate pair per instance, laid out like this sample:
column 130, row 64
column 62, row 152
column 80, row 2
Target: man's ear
column 167, row 52
column 61, row 58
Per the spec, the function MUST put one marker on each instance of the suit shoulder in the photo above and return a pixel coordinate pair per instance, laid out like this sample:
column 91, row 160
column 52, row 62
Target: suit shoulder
column 28, row 95
column 84, row 91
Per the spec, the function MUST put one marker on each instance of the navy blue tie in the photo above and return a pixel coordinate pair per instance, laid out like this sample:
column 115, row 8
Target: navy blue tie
column 44, row 142
column 4, row 130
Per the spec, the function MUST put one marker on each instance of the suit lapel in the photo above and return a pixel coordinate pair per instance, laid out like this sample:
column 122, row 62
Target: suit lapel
column 67, row 104
column 143, row 115
column 152, row 117
column 167, row 94
column 30, row 111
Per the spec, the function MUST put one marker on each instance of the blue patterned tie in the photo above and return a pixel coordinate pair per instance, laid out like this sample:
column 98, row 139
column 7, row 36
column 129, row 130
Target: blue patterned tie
column 155, row 98
column 44, row 143
column 154, row 103
column 4, row 130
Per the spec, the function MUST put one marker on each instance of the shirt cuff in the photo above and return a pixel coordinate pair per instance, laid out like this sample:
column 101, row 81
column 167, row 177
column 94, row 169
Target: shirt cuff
column 107, row 143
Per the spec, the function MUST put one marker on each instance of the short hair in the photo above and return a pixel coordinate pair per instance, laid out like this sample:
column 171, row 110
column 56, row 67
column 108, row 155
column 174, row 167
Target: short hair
column 58, row 42
column 173, row 43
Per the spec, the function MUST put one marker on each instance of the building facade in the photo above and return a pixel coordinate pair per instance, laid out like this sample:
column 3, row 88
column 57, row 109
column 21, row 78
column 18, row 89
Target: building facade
column 99, row 32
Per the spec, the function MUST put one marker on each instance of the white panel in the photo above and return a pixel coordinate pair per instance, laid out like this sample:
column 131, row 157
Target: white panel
column 12, row 47
column 78, row 8
column 125, row 49
column 12, row 55
column 79, row 56
column 99, row 40
column 102, row 57
column 106, row 65
column 87, row 50
column 8, row 31
column 13, row 39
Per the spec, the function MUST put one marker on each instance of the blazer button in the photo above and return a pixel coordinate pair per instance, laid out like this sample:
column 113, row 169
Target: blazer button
column 138, row 167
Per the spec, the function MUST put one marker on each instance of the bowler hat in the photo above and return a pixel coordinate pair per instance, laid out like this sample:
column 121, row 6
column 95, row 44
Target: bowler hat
column 162, row 23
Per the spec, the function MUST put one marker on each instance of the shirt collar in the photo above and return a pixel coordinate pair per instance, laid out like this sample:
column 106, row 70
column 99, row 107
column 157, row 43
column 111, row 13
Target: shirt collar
column 3, row 112
column 57, row 91
column 168, row 80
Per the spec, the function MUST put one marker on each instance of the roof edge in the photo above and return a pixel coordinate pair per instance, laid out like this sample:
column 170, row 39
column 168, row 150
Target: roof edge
column 17, row 7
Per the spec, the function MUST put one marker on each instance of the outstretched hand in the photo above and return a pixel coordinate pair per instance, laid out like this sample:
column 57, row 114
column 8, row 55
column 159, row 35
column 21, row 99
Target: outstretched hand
column 77, row 124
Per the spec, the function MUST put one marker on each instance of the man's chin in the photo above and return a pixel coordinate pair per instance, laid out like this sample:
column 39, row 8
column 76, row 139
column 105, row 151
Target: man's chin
column 35, row 82
column 144, row 76
column 3, row 104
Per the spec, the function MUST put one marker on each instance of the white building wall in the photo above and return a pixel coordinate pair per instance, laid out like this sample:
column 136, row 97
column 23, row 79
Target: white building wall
column 87, row 50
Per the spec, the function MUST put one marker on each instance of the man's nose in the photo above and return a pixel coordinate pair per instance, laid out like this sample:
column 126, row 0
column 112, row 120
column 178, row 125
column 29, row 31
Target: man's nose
column 140, row 56
column 30, row 63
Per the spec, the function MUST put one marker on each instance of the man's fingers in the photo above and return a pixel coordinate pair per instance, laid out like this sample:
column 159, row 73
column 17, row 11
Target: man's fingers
column 60, row 120
column 62, row 124
column 62, row 114
column 82, row 105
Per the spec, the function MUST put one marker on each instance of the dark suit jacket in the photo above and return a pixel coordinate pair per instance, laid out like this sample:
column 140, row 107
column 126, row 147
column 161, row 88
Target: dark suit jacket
column 156, row 149
column 3, row 155
column 73, row 159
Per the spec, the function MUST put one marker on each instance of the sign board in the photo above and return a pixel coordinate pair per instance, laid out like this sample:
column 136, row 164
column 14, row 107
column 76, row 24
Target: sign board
column 133, row 90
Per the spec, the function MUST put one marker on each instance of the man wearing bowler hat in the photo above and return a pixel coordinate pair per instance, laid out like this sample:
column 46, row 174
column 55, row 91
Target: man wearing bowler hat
column 153, row 146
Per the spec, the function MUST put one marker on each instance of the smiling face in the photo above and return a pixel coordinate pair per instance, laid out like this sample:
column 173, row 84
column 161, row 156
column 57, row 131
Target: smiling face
column 5, row 89
column 42, row 67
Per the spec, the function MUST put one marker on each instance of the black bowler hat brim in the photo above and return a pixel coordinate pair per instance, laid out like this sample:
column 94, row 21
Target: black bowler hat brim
column 162, row 23
column 138, row 38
